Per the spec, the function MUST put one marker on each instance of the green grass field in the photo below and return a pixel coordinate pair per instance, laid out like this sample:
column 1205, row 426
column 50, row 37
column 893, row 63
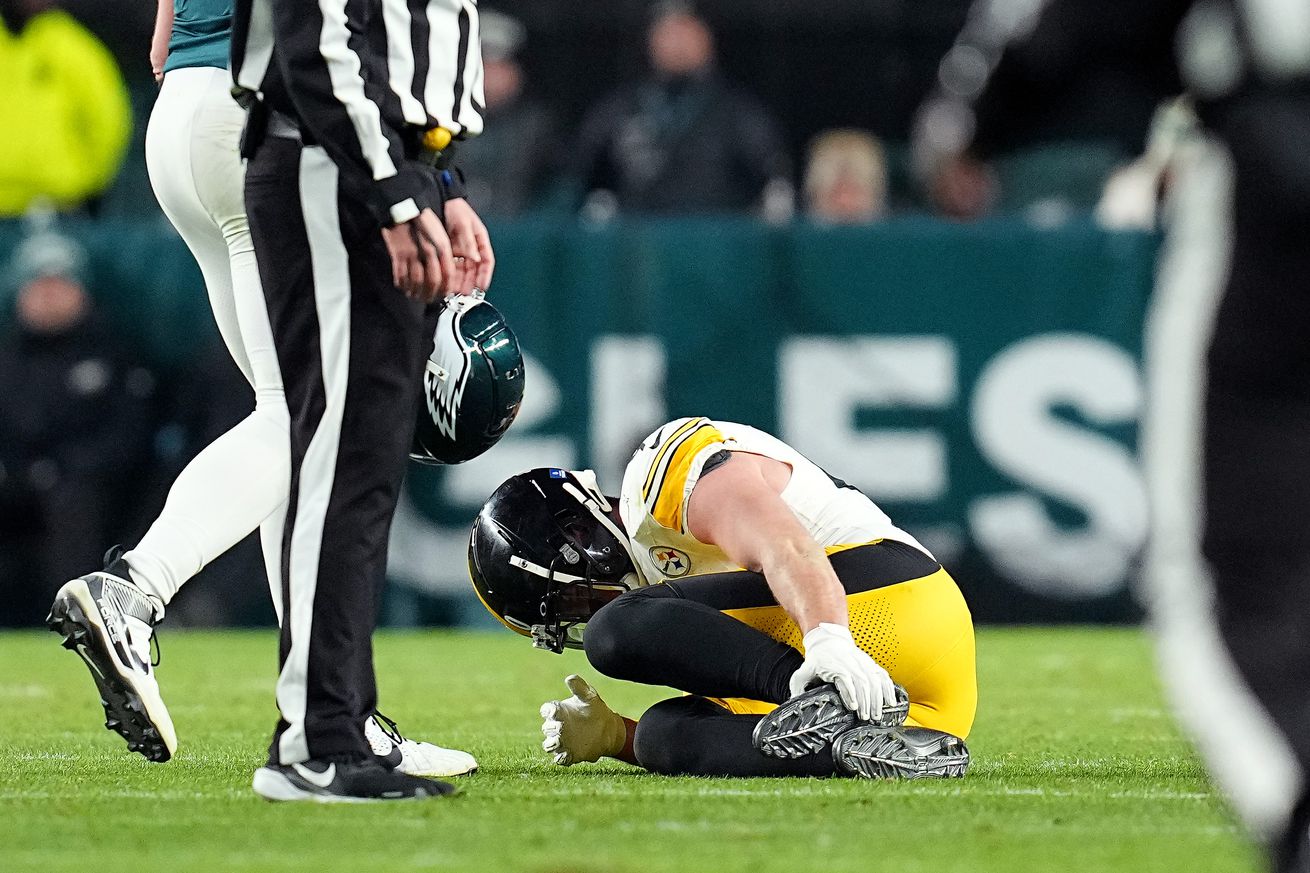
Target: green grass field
column 1077, row 767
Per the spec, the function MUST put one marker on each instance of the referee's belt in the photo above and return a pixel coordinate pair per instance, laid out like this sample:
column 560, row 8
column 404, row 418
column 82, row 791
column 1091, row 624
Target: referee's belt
column 418, row 144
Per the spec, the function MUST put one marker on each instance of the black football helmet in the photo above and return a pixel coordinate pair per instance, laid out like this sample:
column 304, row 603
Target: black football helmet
column 544, row 555
column 472, row 385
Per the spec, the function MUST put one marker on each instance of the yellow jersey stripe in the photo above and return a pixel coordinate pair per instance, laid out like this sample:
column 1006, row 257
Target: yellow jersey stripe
column 653, row 492
column 667, row 510
column 685, row 428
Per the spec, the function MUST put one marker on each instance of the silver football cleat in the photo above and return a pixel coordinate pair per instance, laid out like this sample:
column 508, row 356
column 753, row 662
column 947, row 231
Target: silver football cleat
column 870, row 752
column 809, row 722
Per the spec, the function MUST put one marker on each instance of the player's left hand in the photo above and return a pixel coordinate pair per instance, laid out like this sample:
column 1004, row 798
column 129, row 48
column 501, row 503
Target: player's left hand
column 469, row 241
column 831, row 655
column 581, row 728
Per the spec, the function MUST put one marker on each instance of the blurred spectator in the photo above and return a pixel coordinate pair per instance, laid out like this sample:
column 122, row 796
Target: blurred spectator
column 846, row 178
column 75, row 424
column 64, row 109
column 1046, row 183
column 508, row 166
column 682, row 140
column 962, row 187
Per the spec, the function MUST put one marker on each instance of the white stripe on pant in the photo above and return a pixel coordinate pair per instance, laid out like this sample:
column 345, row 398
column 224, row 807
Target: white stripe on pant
column 352, row 349
column 331, row 279
column 239, row 482
column 1246, row 754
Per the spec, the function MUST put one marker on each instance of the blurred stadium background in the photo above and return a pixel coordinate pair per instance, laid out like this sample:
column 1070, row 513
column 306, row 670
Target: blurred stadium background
column 980, row 378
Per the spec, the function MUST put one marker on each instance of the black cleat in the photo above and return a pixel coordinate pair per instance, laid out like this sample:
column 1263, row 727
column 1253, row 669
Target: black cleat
column 870, row 752
column 109, row 622
column 809, row 722
column 343, row 782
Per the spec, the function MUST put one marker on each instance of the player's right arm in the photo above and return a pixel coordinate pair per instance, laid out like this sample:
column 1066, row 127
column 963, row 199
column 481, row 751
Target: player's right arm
column 738, row 507
column 159, row 40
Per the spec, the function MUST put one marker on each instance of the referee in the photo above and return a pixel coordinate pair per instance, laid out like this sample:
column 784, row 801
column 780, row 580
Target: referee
column 349, row 99
column 1226, row 442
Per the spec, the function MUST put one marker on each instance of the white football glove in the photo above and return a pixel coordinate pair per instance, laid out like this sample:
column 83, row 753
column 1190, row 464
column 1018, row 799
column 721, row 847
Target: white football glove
column 582, row 728
column 832, row 656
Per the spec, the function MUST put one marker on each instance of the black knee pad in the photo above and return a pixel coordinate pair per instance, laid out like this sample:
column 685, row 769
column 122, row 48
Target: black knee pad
column 619, row 630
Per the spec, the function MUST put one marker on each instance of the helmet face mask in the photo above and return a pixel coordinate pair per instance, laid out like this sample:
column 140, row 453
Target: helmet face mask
column 544, row 555
column 565, row 609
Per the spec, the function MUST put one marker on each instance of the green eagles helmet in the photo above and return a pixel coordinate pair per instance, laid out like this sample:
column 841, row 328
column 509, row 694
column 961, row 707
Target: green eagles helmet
column 472, row 385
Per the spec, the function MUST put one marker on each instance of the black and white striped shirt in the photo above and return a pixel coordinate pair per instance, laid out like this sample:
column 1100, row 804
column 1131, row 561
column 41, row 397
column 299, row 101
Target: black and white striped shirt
column 434, row 63
column 363, row 78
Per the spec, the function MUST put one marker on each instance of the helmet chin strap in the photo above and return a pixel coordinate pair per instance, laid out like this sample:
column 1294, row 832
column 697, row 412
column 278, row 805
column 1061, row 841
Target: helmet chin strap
column 588, row 480
column 599, row 506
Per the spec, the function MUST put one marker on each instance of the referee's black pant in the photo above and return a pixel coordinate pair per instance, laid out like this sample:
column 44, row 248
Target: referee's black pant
column 1257, row 462
column 351, row 348
column 1229, row 451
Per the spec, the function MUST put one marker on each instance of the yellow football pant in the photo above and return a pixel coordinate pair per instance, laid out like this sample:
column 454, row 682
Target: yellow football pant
column 921, row 633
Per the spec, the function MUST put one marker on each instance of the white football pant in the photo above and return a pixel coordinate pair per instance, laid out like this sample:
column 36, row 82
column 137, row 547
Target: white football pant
column 241, row 480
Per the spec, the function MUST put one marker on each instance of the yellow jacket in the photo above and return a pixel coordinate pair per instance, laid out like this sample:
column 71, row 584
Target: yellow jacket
column 65, row 118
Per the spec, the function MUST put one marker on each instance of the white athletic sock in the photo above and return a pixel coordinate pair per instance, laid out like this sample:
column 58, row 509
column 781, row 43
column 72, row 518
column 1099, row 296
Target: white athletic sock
column 234, row 485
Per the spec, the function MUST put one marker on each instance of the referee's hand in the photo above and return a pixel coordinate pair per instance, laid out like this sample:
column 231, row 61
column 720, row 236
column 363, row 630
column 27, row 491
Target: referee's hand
column 474, row 259
column 421, row 263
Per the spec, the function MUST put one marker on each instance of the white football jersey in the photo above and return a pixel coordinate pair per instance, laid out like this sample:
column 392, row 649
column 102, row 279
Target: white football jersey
column 665, row 468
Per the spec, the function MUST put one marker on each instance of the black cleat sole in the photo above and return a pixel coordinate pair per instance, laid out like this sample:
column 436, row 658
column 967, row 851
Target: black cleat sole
column 125, row 713
column 281, row 784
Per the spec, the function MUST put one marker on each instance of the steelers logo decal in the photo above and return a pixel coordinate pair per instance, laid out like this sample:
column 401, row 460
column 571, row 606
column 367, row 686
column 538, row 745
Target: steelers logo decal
column 672, row 563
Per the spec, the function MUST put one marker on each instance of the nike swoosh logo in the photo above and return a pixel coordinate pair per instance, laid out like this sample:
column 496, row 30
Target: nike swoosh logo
column 86, row 656
column 322, row 780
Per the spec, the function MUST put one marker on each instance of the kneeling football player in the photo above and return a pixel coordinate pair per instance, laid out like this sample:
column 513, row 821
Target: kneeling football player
column 810, row 634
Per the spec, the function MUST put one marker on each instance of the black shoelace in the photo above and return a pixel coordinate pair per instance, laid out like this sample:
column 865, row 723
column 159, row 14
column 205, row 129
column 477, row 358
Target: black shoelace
column 389, row 728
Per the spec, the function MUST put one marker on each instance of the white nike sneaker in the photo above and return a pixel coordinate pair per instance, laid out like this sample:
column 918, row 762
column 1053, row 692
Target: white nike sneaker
column 109, row 622
column 414, row 757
